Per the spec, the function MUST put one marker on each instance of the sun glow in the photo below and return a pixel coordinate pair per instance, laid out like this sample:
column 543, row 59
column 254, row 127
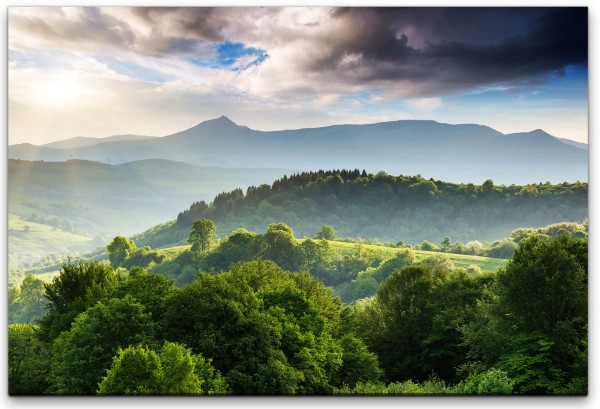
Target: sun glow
column 62, row 91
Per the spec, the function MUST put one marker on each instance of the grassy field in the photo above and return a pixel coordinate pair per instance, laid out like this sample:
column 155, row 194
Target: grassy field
column 29, row 242
column 459, row 260
column 171, row 252
column 47, row 277
column 344, row 248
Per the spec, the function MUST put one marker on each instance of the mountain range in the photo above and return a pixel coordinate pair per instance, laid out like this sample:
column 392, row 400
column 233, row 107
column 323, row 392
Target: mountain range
column 455, row 153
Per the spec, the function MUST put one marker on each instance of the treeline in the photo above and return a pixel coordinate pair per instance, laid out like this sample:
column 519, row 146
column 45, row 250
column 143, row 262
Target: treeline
column 503, row 248
column 257, row 329
column 390, row 208
column 353, row 274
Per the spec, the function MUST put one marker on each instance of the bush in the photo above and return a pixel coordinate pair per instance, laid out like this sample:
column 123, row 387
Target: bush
column 492, row 382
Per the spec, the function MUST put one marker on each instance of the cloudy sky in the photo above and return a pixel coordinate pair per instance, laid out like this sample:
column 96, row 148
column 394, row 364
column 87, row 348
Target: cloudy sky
column 154, row 71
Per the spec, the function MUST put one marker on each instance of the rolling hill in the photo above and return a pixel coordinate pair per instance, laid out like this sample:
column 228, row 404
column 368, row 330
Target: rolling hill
column 456, row 153
column 96, row 201
column 382, row 206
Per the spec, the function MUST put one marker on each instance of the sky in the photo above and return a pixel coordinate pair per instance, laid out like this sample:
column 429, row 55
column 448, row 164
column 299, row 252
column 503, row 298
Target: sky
column 155, row 71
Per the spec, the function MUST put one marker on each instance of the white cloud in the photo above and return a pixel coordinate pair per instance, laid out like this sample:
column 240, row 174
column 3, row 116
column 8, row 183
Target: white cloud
column 426, row 104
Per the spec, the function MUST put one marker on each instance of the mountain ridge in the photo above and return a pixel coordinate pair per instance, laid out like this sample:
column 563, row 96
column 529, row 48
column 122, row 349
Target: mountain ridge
column 84, row 141
column 457, row 153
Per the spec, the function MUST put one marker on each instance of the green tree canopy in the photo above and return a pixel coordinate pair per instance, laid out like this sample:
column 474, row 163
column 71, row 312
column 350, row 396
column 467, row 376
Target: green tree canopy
column 533, row 322
column 281, row 247
column 119, row 250
column 28, row 360
column 202, row 235
column 414, row 319
column 28, row 302
column 77, row 287
column 174, row 370
column 326, row 232
column 268, row 331
column 81, row 355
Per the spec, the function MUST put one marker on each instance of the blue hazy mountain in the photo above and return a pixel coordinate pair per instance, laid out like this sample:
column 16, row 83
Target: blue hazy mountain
column 455, row 153
column 83, row 141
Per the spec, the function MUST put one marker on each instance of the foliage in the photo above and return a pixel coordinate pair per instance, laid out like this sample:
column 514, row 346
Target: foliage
column 148, row 289
column 427, row 246
column 358, row 363
column 367, row 282
column 139, row 370
column 431, row 328
column 327, row 232
column 533, row 321
column 491, row 382
column 429, row 387
column 413, row 321
column 438, row 262
column 142, row 257
column 203, row 232
column 267, row 331
column 410, row 208
column 77, row 287
column 81, row 355
column 28, row 360
column 134, row 371
column 119, row 250
column 26, row 304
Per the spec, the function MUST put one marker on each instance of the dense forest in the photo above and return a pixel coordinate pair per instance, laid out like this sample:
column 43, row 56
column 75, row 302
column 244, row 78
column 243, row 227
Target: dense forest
column 390, row 208
column 424, row 312
column 252, row 318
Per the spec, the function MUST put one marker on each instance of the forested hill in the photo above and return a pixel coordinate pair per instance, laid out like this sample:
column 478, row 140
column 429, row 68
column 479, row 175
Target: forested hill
column 390, row 208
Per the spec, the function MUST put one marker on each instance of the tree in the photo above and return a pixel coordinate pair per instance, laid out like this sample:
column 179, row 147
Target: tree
column 502, row 249
column 77, row 287
column 318, row 256
column 219, row 319
column 119, row 250
column 439, row 262
column 492, row 382
column 428, row 246
column 543, row 293
column 401, row 259
column 174, row 370
column 203, row 232
column 281, row 247
column 414, row 319
column 149, row 289
column 359, row 364
column 27, row 303
column 135, row 370
column 28, row 360
column 533, row 323
column 81, row 355
column 240, row 246
column 488, row 185
column 267, row 330
column 398, row 320
column 327, row 232
column 445, row 243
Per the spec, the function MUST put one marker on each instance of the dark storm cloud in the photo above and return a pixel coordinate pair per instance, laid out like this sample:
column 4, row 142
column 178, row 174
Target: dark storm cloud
column 201, row 23
column 457, row 48
column 415, row 52
column 91, row 27
column 169, row 30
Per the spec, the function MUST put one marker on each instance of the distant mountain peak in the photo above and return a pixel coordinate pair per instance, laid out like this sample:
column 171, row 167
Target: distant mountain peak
column 220, row 120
